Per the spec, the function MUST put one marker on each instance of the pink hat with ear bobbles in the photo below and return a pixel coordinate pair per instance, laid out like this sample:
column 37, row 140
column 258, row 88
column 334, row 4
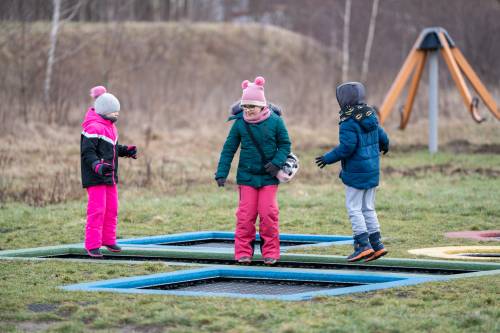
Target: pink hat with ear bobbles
column 253, row 92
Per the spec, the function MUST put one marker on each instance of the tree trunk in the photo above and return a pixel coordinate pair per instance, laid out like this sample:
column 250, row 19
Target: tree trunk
column 369, row 41
column 156, row 6
column 345, row 46
column 52, row 49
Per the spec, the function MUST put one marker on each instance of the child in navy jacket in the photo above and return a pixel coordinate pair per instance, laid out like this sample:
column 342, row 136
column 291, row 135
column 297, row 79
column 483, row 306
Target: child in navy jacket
column 361, row 141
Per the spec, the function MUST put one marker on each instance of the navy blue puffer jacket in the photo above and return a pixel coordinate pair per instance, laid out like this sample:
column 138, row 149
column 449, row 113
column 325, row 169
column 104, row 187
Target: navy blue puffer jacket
column 359, row 151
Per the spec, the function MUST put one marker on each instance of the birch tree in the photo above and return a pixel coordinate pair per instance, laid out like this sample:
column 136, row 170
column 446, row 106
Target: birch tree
column 56, row 24
column 52, row 48
column 345, row 46
column 369, row 40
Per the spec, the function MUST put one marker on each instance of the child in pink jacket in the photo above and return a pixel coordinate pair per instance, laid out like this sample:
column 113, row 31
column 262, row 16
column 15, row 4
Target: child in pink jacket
column 99, row 163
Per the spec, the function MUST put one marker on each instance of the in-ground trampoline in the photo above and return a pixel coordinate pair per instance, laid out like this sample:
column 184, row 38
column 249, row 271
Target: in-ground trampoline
column 280, row 284
column 295, row 277
column 260, row 283
column 224, row 240
column 460, row 252
column 484, row 235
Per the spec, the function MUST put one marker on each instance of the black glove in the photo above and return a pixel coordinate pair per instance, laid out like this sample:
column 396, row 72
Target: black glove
column 220, row 181
column 320, row 162
column 271, row 169
column 132, row 152
column 384, row 149
column 102, row 168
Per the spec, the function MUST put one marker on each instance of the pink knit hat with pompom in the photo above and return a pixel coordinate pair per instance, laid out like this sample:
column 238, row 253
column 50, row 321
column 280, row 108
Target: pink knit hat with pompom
column 104, row 102
column 253, row 92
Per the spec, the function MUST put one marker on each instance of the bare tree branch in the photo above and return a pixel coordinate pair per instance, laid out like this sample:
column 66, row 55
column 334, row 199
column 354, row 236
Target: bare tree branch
column 369, row 40
column 70, row 12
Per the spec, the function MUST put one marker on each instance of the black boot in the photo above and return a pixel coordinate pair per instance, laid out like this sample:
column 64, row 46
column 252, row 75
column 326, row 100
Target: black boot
column 378, row 247
column 362, row 248
column 94, row 253
column 113, row 248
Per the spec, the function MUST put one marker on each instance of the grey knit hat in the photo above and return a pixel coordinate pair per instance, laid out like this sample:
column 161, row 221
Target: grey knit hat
column 106, row 103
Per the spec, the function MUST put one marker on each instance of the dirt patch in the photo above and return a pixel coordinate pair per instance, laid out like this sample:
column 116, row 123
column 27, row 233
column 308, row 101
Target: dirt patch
column 33, row 326
column 142, row 329
column 403, row 294
column 455, row 146
column 444, row 169
column 42, row 307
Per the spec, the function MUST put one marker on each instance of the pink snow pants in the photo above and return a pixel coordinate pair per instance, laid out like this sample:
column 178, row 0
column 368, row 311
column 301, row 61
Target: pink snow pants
column 261, row 201
column 102, row 216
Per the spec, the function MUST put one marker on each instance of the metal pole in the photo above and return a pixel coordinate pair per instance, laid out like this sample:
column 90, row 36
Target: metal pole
column 433, row 101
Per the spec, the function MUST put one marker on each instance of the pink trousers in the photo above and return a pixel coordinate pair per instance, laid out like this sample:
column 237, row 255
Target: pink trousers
column 261, row 201
column 102, row 215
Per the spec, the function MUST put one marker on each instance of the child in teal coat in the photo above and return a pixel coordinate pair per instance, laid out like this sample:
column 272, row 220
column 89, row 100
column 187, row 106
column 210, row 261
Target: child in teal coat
column 256, row 174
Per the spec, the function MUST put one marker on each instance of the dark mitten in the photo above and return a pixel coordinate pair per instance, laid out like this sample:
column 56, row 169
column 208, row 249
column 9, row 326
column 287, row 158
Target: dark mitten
column 271, row 169
column 132, row 152
column 102, row 168
column 320, row 162
column 384, row 149
column 220, row 182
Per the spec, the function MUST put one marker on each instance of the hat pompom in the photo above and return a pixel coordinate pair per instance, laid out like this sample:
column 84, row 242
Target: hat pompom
column 245, row 84
column 260, row 81
column 97, row 91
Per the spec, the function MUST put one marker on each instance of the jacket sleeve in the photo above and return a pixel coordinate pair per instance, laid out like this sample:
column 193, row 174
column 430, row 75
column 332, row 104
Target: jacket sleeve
column 122, row 150
column 229, row 149
column 348, row 137
column 88, row 150
column 283, row 143
column 383, row 139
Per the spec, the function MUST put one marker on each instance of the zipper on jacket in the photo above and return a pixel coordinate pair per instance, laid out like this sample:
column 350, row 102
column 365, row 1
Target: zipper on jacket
column 113, row 173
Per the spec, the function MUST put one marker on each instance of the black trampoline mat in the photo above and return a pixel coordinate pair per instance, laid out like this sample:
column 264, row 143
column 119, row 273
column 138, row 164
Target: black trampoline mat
column 486, row 255
column 226, row 243
column 251, row 286
column 282, row 263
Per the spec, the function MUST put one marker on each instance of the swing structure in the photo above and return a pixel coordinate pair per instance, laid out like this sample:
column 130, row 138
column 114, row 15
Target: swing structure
column 427, row 45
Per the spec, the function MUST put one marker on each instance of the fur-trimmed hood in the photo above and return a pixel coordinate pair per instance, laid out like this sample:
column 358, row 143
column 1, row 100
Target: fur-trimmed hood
column 236, row 111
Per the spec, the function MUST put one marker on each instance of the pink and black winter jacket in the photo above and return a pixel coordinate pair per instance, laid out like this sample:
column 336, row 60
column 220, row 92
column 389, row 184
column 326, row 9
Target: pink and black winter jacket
column 99, row 143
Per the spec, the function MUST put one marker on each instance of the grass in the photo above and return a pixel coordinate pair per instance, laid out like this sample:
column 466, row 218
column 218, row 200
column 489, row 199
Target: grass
column 415, row 210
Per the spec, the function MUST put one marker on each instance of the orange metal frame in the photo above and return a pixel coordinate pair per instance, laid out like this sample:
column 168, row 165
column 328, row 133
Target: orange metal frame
column 415, row 63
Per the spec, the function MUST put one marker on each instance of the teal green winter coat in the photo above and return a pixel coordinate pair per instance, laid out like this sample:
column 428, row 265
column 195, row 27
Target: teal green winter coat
column 272, row 136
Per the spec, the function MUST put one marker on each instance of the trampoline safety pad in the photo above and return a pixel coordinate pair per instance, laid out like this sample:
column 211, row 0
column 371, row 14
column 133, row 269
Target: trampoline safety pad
column 259, row 283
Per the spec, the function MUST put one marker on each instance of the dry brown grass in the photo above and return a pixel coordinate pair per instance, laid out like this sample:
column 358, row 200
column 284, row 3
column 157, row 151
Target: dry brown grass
column 175, row 83
column 171, row 73
column 43, row 165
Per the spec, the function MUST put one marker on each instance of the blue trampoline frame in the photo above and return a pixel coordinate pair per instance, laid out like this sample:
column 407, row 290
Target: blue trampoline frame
column 153, row 241
column 376, row 281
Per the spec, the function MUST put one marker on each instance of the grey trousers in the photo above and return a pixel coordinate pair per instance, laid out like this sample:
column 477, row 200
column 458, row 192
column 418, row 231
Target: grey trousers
column 360, row 206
